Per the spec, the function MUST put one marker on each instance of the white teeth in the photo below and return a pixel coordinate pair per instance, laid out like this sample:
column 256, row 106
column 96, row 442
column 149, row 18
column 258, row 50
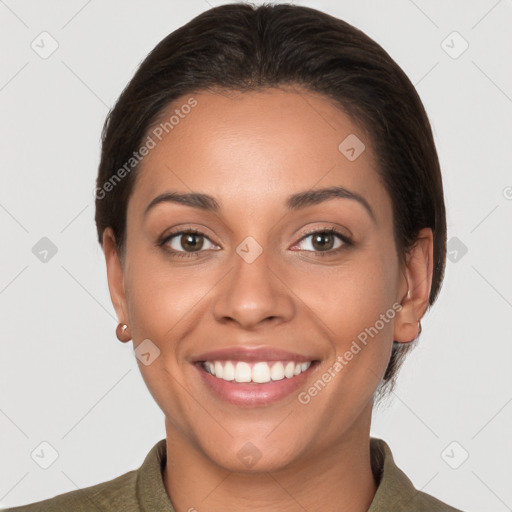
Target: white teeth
column 305, row 366
column 288, row 371
column 260, row 372
column 277, row 371
column 229, row 371
column 242, row 372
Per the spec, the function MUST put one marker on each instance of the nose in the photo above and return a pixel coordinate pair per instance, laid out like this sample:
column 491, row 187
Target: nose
column 253, row 294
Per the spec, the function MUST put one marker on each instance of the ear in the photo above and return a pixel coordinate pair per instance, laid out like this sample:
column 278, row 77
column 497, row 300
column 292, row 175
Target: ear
column 415, row 288
column 115, row 275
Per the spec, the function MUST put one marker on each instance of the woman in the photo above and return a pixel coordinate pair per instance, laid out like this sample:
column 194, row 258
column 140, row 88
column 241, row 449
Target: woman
column 270, row 205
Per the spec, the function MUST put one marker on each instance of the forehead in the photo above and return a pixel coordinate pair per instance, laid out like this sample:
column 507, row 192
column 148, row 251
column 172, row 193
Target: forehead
column 251, row 149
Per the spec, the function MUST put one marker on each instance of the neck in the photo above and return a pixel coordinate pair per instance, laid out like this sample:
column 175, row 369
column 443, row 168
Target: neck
column 337, row 478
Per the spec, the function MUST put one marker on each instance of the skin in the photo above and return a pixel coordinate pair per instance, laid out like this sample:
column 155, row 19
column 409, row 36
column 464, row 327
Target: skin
column 251, row 151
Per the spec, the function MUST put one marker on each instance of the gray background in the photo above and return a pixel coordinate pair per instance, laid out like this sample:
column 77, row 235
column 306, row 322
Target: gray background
column 67, row 381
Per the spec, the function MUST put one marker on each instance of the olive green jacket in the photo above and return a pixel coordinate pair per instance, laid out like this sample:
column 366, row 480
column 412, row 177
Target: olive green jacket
column 143, row 490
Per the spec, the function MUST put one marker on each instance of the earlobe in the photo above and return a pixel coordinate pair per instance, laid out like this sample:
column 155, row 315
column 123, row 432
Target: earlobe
column 418, row 281
column 115, row 275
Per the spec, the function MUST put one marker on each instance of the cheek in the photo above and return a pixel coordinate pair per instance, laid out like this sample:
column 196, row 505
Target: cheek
column 162, row 305
column 353, row 305
column 160, row 298
column 352, row 295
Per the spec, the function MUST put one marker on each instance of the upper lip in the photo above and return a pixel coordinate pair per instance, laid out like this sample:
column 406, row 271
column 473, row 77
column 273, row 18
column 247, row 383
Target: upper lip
column 254, row 354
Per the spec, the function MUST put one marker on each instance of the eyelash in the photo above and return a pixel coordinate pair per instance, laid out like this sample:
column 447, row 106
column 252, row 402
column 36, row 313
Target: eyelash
column 184, row 254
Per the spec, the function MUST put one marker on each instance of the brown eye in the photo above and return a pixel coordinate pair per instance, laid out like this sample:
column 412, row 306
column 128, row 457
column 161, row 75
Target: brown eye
column 324, row 241
column 187, row 243
column 191, row 241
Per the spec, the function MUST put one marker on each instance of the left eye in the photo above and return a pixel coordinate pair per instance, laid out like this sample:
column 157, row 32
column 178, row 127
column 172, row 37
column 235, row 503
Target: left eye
column 323, row 241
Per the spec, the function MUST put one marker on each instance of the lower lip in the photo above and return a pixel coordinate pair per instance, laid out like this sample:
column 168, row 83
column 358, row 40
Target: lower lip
column 251, row 393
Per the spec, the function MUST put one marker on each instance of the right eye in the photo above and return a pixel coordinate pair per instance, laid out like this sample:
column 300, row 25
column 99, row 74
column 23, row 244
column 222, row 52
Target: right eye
column 185, row 244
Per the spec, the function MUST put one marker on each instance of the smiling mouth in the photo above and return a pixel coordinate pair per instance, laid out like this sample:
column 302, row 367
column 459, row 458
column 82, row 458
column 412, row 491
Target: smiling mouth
column 260, row 372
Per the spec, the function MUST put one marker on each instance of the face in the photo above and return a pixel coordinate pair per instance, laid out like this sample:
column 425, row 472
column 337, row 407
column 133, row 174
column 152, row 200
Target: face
column 273, row 275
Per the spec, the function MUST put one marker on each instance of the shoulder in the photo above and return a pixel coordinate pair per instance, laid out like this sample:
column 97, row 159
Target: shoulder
column 423, row 501
column 115, row 494
column 395, row 490
column 129, row 492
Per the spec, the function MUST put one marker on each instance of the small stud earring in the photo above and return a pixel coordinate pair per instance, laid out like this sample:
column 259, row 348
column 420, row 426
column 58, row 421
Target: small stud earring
column 122, row 333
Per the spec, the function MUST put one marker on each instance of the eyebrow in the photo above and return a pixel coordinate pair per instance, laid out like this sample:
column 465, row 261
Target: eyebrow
column 294, row 202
